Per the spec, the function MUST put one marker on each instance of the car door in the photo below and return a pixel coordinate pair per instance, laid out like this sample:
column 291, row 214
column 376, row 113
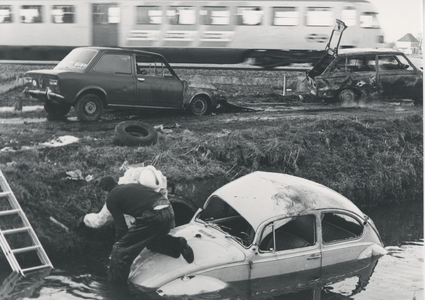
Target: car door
column 113, row 74
column 397, row 77
column 157, row 86
column 288, row 245
column 341, row 238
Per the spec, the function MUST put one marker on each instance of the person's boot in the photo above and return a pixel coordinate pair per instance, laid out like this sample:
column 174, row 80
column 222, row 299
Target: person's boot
column 185, row 250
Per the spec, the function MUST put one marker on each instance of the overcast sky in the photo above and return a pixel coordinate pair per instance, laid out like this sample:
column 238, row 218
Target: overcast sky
column 398, row 17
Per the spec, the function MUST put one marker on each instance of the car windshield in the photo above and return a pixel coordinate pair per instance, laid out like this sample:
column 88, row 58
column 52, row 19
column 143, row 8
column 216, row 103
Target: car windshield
column 77, row 59
column 221, row 216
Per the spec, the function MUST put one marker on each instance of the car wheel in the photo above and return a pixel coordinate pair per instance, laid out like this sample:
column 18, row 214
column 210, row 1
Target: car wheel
column 347, row 96
column 55, row 110
column 199, row 106
column 89, row 108
column 134, row 133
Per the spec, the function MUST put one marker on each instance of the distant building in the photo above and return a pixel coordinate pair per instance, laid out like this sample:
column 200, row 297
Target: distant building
column 408, row 44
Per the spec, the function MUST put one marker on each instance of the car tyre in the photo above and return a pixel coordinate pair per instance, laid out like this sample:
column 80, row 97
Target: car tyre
column 89, row 108
column 55, row 110
column 199, row 106
column 347, row 96
column 134, row 133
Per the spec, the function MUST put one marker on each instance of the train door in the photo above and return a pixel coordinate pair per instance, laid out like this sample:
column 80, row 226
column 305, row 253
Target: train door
column 106, row 18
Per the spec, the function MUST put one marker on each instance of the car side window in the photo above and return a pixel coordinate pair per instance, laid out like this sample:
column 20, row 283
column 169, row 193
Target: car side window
column 151, row 66
column 393, row 62
column 289, row 233
column 114, row 64
column 340, row 227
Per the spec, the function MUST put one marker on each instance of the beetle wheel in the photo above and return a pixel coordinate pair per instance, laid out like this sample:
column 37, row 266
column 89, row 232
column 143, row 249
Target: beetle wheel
column 89, row 108
column 134, row 133
column 199, row 106
column 347, row 96
column 55, row 110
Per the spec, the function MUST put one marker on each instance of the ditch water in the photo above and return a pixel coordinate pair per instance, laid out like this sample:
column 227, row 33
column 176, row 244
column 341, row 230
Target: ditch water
column 397, row 275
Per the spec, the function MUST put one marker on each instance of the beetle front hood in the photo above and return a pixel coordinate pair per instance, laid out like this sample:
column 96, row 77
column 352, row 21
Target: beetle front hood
column 153, row 270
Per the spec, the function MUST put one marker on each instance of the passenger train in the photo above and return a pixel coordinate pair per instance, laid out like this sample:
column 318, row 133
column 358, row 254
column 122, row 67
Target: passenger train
column 265, row 32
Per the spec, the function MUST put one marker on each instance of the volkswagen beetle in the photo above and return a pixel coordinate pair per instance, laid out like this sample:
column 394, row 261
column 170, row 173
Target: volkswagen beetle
column 261, row 225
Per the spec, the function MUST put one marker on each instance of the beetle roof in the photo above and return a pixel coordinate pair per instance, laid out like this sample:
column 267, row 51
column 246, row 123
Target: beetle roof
column 260, row 195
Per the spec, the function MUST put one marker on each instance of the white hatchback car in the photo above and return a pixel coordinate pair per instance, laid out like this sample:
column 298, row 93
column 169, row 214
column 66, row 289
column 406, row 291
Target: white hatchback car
column 261, row 225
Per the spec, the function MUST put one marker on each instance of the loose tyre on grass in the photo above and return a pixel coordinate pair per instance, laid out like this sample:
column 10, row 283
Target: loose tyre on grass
column 134, row 133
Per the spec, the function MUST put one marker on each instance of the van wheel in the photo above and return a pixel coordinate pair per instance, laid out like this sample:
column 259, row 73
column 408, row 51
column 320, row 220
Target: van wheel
column 55, row 110
column 134, row 133
column 89, row 108
column 199, row 106
column 347, row 96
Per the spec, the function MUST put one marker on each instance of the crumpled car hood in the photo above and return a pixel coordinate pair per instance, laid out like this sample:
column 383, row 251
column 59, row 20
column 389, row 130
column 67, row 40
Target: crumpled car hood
column 153, row 270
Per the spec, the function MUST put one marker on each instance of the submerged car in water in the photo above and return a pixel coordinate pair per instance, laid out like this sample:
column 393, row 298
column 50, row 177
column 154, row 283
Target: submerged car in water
column 94, row 78
column 350, row 75
column 262, row 225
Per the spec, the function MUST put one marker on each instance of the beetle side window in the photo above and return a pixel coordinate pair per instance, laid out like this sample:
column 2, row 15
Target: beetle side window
column 114, row 64
column 289, row 233
column 340, row 227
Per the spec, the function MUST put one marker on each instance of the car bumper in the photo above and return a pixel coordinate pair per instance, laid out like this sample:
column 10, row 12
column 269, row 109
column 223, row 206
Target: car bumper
column 44, row 95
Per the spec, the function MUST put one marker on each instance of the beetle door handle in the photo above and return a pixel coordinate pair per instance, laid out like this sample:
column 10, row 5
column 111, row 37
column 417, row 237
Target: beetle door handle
column 140, row 79
column 315, row 256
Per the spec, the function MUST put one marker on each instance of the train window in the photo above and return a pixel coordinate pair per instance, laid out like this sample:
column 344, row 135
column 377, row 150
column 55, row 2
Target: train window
column 114, row 64
column 5, row 14
column 106, row 14
column 149, row 15
column 320, row 16
column 369, row 20
column 349, row 15
column 285, row 16
column 215, row 15
column 63, row 14
column 249, row 15
column 181, row 15
column 31, row 14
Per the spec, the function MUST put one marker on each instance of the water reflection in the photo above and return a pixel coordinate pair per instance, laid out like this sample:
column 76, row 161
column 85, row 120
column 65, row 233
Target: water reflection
column 398, row 275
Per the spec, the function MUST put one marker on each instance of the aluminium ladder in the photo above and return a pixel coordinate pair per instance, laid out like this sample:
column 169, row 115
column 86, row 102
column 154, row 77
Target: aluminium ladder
column 15, row 210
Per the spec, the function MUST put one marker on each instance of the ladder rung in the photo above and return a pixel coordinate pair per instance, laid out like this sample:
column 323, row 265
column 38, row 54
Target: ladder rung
column 9, row 212
column 16, row 230
column 4, row 194
column 25, row 249
column 36, row 268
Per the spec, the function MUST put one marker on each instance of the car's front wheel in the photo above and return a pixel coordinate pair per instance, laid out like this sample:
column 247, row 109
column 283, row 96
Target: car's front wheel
column 89, row 108
column 347, row 96
column 199, row 106
column 55, row 110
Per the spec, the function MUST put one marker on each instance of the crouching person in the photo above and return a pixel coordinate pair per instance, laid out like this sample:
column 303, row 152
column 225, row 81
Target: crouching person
column 154, row 218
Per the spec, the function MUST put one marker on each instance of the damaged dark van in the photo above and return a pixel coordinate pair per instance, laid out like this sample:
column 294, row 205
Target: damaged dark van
column 351, row 75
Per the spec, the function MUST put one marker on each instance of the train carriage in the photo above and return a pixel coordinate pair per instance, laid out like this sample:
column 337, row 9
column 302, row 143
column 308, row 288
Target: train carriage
column 192, row 31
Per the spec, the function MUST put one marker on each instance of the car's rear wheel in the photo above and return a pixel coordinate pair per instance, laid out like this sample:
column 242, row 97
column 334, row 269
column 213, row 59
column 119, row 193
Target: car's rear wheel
column 55, row 110
column 347, row 96
column 134, row 133
column 199, row 106
column 89, row 108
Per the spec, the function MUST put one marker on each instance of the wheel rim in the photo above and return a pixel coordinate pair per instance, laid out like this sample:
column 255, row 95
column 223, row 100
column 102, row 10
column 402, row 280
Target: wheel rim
column 347, row 96
column 90, row 107
column 199, row 106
